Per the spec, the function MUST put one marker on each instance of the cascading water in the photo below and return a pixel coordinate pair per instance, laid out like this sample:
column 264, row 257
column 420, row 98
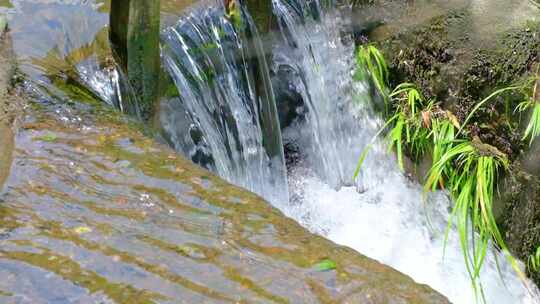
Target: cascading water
column 338, row 124
column 224, row 117
column 384, row 216
column 70, row 53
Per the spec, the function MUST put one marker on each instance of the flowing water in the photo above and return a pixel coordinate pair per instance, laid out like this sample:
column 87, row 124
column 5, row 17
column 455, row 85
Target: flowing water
column 224, row 118
column 385, row 215
column 225, row 115
column 93, row 211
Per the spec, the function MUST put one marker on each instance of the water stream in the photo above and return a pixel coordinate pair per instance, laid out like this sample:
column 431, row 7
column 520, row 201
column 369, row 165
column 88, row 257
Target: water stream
column 224, row 117
column 385, row 215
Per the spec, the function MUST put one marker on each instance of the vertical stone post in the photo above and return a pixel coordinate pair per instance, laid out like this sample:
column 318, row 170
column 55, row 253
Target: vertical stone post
column 134, row 35
column 262, row 14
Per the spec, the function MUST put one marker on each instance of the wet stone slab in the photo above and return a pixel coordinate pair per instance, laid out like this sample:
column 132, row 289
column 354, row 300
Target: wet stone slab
column 95, row 212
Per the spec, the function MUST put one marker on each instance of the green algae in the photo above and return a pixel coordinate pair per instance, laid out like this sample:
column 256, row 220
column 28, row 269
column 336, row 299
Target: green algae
column 6, row 4
column 134, row 33
column 6, row 137
column 69, row 270
column 133, row 193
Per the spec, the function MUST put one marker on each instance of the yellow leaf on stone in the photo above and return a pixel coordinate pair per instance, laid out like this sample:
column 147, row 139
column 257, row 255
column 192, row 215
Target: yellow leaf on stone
column 82, row 230
column 453, row 119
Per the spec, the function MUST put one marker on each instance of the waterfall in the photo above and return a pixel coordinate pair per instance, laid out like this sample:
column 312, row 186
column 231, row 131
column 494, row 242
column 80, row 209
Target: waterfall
column 338, row 123
column 224, row 116
column 385, row 215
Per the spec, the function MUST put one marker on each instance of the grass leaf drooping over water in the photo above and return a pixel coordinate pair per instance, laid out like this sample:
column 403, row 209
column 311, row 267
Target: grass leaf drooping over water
column 471, row 168
column 532, row 102
column 467, row 168
column 373, row 60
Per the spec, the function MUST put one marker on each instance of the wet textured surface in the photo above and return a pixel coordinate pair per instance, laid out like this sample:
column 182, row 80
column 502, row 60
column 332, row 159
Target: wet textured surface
column 6, row 115
column 101, row 213
column 6, row 137
column 65, row 43
column 485, row 18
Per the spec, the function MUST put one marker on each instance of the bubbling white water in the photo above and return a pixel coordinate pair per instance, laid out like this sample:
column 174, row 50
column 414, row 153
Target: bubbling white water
column 389, row 223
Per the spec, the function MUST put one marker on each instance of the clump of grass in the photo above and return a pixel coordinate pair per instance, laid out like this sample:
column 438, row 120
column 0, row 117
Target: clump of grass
column 369, row 57
column 408, row 126
column 532, row 102
column 533, row 262
column 466, row 167
column 533, row 128
column 479, row 105
column 443, row 132
column 470, row 169
column 444, row 128
column 409, row 130
column 359, row 3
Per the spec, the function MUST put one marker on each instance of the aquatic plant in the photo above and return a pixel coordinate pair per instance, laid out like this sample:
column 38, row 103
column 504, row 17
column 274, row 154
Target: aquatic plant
column 356, row 3
column 533, row 127
column 479, row 105
column 467, row 168
column 470, row 170
column 533, row 262
column 443, row 127
column 409, row 127
column 369, row 146
column 370, row 58
column 532, row 101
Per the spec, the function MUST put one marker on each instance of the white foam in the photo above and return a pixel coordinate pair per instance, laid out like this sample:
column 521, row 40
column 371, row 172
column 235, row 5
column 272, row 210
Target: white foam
column 386, row 215
column 389, row 223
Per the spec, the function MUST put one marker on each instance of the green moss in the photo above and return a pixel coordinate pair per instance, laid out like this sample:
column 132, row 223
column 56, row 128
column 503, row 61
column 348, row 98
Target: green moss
column 6, row 3
column 458, row 73
column 520, row 216
column 69, row 270
column 445, row 62
column 261, row 12
column 135, row 38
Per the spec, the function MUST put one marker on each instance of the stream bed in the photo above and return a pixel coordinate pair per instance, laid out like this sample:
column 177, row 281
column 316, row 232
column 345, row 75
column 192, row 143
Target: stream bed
column 96, row 209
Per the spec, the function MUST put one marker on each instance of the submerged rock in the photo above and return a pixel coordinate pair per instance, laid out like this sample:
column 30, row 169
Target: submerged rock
column 102, row 213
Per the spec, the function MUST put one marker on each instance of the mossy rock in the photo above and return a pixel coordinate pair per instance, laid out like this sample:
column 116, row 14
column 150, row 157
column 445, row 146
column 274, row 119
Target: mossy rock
column 104, row 213
column 520, row 214
column 134, row 33
column 449, row 62
column 444, row 62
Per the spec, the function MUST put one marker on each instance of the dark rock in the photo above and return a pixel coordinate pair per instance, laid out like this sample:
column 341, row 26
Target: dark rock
column 520, row 211
column 289, row 102
column 443, row 61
